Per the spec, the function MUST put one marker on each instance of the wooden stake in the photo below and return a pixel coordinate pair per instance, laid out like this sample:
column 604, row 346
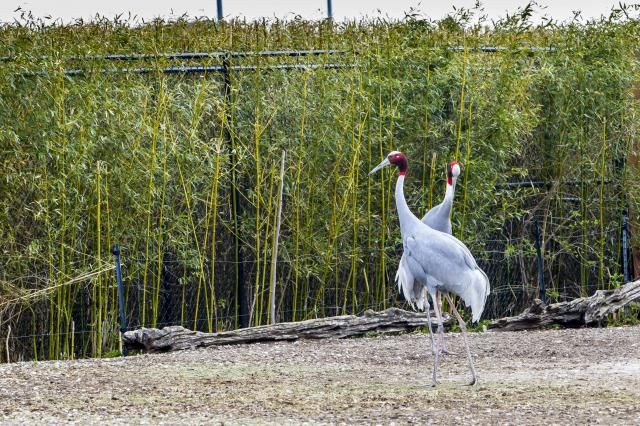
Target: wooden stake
column 73, row 339
column 7, row 344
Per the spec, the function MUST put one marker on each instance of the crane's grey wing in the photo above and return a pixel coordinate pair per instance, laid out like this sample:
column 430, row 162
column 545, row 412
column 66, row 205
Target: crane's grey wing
column 439, row 247
column 449, row 261
column 414, row 292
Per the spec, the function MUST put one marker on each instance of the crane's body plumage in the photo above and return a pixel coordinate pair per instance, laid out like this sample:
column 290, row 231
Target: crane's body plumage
column 438, row 218
column 435, row 261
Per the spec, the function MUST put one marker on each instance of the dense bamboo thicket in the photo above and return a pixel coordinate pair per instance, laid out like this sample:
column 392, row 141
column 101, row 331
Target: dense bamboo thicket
column 185, row 179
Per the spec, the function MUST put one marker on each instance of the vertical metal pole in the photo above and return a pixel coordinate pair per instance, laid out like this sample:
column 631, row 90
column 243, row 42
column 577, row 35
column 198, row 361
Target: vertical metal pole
column 123, row 318
column 219, row 7
column 241, row 308
column 625, row 245
column 329, row 10
column 543, row 292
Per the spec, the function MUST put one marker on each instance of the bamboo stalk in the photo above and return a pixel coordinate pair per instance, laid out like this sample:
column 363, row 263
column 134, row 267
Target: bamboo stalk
column 97, row 289
column 113, row 304
column 155, row 307
column 62, row 140
column 601, row 207
column 297, row 198
column 257, row 203
column 462, row 98
column 187, row 196
column 467, row 167
column 150, row 189
column 260, row 304
column 214, row 218
column 432, row 179
column 276, row 235
column 426, row 132
column 583, row 220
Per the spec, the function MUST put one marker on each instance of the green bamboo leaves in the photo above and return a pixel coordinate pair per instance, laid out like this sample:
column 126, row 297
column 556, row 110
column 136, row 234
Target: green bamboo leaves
column 159, row 162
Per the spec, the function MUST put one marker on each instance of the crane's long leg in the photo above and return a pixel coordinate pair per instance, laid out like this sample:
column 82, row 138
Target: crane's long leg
column 463, row 327
column 434, row 349
column 438, row 309
column 433, row 340
column 443, row 346
column 436, row 359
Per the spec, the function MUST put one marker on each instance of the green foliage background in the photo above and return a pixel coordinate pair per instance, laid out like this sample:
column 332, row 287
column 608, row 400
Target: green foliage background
column 149, row 161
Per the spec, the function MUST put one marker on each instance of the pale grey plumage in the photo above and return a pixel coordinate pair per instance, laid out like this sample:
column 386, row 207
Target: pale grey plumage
column 436, row 261
column 438, row 218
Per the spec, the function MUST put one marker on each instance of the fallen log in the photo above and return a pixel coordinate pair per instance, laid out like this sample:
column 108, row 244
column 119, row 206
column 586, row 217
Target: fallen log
column 176, row 338
column 584, row 311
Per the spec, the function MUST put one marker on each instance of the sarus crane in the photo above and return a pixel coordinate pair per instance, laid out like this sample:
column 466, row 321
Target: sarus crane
column 437, row 261
column 438, row 218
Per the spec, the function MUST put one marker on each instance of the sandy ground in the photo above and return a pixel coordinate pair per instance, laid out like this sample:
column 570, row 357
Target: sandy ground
column 586, row 376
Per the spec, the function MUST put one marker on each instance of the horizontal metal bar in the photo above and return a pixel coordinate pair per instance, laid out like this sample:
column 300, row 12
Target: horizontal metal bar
column 527, row 184
column 497, row 49
column 194, row 55
column 541, row 184
column 241, row 54
column 197, row 69
column 219, row 54
column 291, row 67
column 287, row 53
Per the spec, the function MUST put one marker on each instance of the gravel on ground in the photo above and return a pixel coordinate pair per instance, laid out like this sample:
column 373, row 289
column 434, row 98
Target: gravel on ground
column 578, row 376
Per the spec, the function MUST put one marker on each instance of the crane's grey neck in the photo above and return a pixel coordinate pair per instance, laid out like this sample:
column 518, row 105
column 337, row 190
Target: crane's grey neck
column 404, row 214
column 450, row 191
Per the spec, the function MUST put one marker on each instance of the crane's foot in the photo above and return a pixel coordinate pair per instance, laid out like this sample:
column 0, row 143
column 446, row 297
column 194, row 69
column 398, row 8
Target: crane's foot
column 472, row 382
column 447, row 352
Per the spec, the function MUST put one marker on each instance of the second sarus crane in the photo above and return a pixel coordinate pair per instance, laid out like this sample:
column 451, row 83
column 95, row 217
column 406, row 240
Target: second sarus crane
column 437, row 261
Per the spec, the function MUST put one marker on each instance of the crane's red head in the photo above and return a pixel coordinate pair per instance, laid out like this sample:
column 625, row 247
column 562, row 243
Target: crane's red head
column 397, row 158
column 453, row 171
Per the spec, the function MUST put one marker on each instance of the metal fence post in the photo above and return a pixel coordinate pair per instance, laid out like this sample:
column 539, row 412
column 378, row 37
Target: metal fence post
column 123, row 318
column 219, row 8
column 625, row 246
column 329, row 10
column 536, row 232
column 241, row 309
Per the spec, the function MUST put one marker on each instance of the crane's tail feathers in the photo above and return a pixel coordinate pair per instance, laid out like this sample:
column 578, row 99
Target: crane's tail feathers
column 414, row 292
column 475, row 295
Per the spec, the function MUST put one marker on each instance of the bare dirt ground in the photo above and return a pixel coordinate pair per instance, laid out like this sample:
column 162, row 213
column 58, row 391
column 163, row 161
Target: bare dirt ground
column 586, row 376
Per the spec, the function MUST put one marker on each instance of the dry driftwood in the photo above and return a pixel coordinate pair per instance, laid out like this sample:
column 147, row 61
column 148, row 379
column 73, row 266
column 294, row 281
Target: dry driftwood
column 176, row 338
column 576, row 313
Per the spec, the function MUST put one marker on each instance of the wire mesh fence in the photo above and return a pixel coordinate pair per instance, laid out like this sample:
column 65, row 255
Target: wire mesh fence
column 174, row 301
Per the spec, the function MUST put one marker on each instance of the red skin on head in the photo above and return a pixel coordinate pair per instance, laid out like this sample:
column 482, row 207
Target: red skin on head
column 450, row 173
column 398, row 159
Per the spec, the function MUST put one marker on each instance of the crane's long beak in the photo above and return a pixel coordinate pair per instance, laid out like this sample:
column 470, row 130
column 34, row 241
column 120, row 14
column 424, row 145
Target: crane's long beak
column 384, row 163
